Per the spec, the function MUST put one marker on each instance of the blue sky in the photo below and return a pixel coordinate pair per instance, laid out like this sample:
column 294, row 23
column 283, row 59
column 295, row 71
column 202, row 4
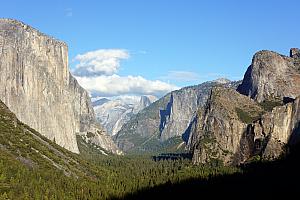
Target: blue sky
column 177, row 42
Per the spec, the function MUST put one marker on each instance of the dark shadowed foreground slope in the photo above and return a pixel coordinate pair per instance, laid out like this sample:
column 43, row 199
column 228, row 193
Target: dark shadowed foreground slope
column 258, row 180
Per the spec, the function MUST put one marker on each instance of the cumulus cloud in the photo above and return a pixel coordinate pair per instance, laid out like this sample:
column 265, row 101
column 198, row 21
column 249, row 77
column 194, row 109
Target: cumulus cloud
column 99, row 62
column 115, row 85
column 96, row 71
column 181, row 76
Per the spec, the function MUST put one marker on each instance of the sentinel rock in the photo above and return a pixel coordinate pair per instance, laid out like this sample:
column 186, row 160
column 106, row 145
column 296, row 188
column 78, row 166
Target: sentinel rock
column 36, row 85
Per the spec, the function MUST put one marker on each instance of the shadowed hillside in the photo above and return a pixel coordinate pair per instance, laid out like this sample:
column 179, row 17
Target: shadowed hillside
column 258, row 180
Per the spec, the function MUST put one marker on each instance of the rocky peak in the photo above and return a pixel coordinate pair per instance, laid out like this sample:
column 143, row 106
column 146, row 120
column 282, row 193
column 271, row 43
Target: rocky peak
column 271, row 76
column 145, row 101
column 295, row 53
column 100, row 102
column 233, row 128
column 13, row 24
column 222, row 81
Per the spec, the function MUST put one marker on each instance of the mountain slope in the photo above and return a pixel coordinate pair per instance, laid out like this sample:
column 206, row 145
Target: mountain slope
column 41, row 163
column 156, row 126
column 35, row 83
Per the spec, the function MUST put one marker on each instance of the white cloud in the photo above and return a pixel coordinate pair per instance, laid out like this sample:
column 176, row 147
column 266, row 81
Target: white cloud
column 115, row 85
column 99, row 62
column 188, row 76
column 96, row 71
column 181, row 76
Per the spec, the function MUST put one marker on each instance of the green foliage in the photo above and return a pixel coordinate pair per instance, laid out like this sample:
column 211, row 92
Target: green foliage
column 243, row 116
column 268, row 105
column 254, row 159
column 247, row 117
column 89, row 149
column 90, row 134
column 208, row 138
column 214, row 162
column 124, row 175
column 153, row 145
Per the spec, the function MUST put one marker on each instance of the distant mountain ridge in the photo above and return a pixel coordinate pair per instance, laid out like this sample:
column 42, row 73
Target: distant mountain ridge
column 99, row 102
column 113, row 113
column 165, row 123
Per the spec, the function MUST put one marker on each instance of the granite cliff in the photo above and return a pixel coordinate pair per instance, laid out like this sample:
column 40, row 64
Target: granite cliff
column 35, row 84
column 220, row 133
column 272, row 76
column 258, row 121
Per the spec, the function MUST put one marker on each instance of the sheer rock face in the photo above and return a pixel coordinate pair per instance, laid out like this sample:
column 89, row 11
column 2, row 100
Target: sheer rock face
column 36, row 85
column 272, row 76
column 232, row 128
column 220, row 133
column 224, row 133
column 277, row 129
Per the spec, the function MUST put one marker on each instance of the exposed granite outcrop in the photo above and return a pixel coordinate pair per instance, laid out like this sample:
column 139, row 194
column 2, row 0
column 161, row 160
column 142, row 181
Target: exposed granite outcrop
column 35, row 83
column 272, row 76
column 295, row 53
column 276, row 130
column 220, row 132
column 232, row 128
